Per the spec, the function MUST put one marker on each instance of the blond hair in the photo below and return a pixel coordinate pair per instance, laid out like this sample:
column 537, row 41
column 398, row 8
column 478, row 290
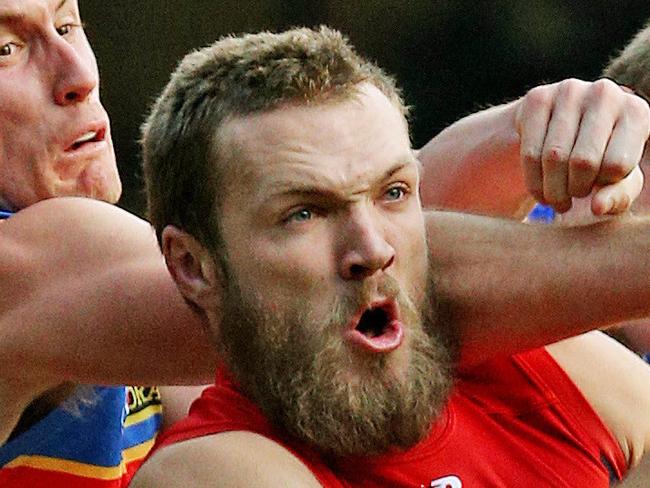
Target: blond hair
column 632, row 65
column 237, row 76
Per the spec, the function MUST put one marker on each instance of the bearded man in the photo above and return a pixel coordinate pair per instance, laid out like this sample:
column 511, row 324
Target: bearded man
column 306, row 247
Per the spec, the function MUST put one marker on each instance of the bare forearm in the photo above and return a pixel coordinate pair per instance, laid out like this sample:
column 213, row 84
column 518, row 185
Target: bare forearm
column 474, row 165
column 510, row 287
column 87, row 298
column 127, row 325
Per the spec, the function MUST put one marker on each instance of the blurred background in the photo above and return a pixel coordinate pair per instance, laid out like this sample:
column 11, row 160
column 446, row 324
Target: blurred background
column 451, row 57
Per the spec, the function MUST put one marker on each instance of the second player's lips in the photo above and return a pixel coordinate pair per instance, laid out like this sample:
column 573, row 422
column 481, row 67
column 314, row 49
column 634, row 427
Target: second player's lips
column 376, row 328
column 90, row 142
column 87, row 137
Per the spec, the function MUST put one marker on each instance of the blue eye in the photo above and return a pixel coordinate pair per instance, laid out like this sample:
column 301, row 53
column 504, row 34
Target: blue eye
column 301, row 215
column 395, row 193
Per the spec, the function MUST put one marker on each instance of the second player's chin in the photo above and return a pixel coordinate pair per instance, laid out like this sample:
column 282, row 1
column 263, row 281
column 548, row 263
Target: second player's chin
column 107, row 194
column 97, row 188
column 68, row 190
column 102, row 183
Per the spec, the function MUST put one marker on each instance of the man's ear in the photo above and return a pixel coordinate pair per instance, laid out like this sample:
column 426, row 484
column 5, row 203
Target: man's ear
column 192, row 268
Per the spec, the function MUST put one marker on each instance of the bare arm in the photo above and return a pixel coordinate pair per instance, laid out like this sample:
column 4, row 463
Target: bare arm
column 522, row 286
column 505, row 283
column 97, row 305
column 615, row 382
column 84, row 286
column 473, row 165
column 87, row 298
column 228, row 460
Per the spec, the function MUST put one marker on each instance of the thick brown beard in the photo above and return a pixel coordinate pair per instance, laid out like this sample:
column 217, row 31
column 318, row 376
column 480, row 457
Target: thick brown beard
column 293, row 366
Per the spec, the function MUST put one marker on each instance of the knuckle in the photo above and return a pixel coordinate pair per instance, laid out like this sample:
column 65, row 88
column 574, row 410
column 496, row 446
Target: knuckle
column 624, row 203
column 605, row 88
column 563, row 121
column 621, row 202
column 554, row 157
column 539, row 96
column 570, row 86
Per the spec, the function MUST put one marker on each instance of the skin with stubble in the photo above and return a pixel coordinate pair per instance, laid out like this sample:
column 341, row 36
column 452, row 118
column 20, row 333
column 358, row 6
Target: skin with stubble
column 326, row 323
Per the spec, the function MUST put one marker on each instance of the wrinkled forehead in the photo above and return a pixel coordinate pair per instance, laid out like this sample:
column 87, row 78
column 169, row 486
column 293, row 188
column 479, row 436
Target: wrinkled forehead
column 32, row 11
column 342, row 139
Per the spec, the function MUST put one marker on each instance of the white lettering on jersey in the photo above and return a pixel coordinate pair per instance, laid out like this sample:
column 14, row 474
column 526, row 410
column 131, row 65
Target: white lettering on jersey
column 447, row 482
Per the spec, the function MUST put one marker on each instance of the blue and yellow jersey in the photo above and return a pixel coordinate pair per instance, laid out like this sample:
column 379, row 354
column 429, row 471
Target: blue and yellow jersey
column 97, row 441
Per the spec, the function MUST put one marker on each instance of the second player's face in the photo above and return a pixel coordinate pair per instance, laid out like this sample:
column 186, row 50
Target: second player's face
column 54, row 132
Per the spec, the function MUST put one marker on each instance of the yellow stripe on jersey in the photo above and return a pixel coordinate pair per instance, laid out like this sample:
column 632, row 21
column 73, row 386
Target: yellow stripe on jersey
column 76, row 468
column 143, row 414
column 66, row 466
column 137, row 452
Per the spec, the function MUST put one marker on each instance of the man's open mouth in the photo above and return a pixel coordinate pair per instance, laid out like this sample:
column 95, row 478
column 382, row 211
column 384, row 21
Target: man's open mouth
column 377, row 328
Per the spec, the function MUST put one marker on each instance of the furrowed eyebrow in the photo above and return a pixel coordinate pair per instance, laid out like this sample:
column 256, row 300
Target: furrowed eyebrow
column 318, row 191
column 10, row 18
column 399, row 167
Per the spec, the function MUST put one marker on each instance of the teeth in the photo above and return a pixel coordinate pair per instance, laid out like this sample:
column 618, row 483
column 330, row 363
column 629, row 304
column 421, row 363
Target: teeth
column 88, row 136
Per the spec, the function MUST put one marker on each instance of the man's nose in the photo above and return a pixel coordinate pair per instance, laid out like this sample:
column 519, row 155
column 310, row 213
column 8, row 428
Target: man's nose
column 364, row 248
column 75, row 74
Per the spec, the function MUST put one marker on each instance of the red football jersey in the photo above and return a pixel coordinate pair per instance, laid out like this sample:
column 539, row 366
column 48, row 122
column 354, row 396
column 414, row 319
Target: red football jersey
column 512, row 422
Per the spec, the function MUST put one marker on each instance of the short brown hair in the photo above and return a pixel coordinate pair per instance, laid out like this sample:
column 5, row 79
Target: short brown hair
column 632, row 66
column 237, row 76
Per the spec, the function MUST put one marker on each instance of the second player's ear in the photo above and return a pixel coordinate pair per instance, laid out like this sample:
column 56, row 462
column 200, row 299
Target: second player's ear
column 192, row 267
